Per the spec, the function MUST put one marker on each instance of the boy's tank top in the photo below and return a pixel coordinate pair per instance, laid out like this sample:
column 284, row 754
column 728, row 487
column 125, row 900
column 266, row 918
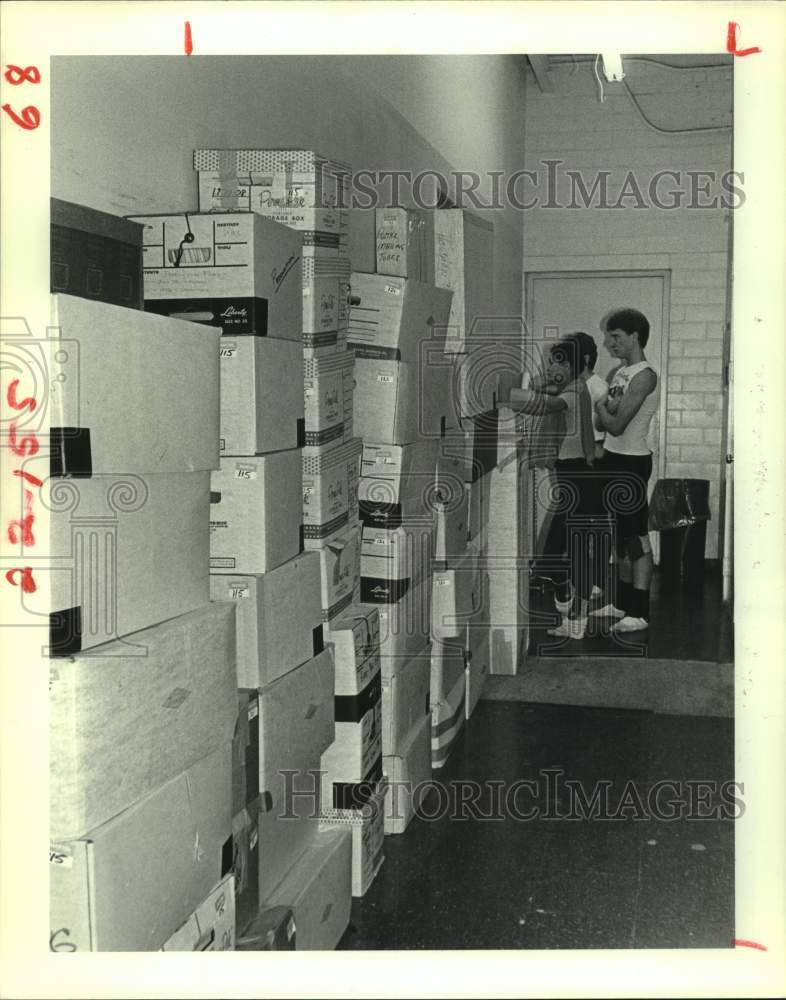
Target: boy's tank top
column 635, row 439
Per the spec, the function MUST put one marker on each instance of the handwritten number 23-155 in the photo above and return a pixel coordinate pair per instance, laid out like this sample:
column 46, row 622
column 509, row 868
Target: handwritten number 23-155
column 30, row 117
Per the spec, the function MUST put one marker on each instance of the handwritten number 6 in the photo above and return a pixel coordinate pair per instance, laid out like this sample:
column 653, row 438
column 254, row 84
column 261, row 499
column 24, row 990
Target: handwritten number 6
column 16, row 75
column 29, row 119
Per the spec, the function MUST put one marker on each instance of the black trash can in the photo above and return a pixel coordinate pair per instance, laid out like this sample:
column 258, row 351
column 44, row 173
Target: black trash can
column 679, row 510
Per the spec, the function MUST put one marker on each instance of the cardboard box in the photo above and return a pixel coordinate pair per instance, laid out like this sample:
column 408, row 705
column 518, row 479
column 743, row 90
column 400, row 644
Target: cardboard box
column 408, row 773
column 362, row 239
column 211, row 927
column 124, row 552
column 464, row 262
column 279, row 618
column 273, row 929
column 451, row 510
column 261, row 402
column 237, row 271
column 368, row 834
column 397, row 482
column 121, row 725
column 95, row 255
column 339, row 564
column 284, row 178
column 131, row 882
column 327, row 347
column 458, row 596
column 405, row 243
column 447, row 721
column 355, row 641
column 328, row 389
column 403, row 380
column 478, row 661
column 393, row 561
column 330, row 488
column 319, row 891
column 358, row 743
column 321, row 293
column 448, row 664
column 404, row 627
column 405, row 699
column 245, row 752
column 245, row 862
column 129, row 392
column 254, row 512
column 296, row 727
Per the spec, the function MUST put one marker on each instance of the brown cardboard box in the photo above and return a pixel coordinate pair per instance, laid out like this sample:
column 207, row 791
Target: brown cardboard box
column 296, row 727
column 355, row 641
column 237, row 271
column 405, row 243
column 95, row 255
column 130, row 392
column 121, row 725
column 319, row 891
column 405, row 700
column 261, row 400
column 131, row 882
column 279, row 618
column 212, row 925
column 408, row 773
column 125, row 553
column 254, row 512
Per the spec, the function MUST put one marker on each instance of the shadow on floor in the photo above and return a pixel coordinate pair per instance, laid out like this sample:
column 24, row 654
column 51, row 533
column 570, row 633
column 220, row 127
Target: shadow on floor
column 554, row 882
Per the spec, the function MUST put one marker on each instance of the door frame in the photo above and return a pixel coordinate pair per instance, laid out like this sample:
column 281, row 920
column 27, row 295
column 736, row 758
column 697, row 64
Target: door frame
column 665, row 275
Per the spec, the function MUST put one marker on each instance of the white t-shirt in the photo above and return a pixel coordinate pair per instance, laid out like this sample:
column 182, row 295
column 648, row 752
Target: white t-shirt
column 598, row 390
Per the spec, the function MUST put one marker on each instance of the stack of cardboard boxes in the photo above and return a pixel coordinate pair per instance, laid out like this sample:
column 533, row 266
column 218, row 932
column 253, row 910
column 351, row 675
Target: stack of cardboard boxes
column 142, row 680
column 305, row 191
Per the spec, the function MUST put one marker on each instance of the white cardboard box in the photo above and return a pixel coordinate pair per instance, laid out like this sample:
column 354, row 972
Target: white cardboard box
column 447, row 721
column 358, row 744
column 284, row 178
column 405, row 699
column 330, row 488
column 397, row 482
column 328, row 389
column 296, row 726
column 319, row 891
column 237, row 271
column 261, row 402
column 391, row 561
column 125, row 552
column 400, row 402
column 404, row 627
column 339, row 556
column 405, row 243
column 368, row 834
column 448, row 663
column 255, row 516
column 131, row 882
column 279, row 618
column 355, row 640
column 408, row 773
column 464, row 254
column 129, row 392
column 212, row 926
column 458, row 595
column 478, row 660
column 125, row 719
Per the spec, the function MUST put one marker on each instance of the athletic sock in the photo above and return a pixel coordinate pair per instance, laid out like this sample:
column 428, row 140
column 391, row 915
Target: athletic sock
column 624, row 596
column 640, row 603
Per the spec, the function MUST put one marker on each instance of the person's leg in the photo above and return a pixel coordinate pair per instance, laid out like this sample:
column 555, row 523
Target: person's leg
column 637, row 609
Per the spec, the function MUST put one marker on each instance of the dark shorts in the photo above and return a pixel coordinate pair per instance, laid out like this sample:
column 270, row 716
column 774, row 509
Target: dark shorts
column 622, row 481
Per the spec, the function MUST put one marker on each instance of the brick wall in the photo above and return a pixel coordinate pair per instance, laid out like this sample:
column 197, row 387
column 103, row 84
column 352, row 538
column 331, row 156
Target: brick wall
column 572, row 125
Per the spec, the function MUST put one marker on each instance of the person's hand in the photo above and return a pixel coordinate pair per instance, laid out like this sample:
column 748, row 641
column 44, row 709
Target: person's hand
column 611, row 405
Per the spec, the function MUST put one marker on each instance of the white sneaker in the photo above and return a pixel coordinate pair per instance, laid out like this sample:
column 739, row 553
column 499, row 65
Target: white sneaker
column 607, row 611
column 596, row 592
column 629, row 624
column 564, row 606
column 571, row 628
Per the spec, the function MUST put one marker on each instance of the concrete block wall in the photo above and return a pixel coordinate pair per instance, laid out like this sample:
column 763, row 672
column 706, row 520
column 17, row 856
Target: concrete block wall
column 573, row 126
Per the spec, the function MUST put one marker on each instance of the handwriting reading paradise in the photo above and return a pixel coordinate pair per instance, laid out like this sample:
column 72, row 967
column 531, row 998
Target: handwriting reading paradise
column 278, row 276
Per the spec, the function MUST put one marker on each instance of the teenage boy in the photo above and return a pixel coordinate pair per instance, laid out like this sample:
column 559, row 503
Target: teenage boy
column 627, row 466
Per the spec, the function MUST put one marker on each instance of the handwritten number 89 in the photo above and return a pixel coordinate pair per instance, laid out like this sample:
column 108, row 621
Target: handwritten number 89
column 30, row 117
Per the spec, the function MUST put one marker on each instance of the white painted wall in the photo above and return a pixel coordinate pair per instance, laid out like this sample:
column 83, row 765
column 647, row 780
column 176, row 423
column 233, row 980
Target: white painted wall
column 124, row 129
column 572, row 125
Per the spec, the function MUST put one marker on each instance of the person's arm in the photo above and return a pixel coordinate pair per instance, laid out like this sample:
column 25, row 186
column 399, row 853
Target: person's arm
column 629, row 404
column 527, row 401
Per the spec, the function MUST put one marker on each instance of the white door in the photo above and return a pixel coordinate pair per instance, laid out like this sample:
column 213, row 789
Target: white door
column 558, row 304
